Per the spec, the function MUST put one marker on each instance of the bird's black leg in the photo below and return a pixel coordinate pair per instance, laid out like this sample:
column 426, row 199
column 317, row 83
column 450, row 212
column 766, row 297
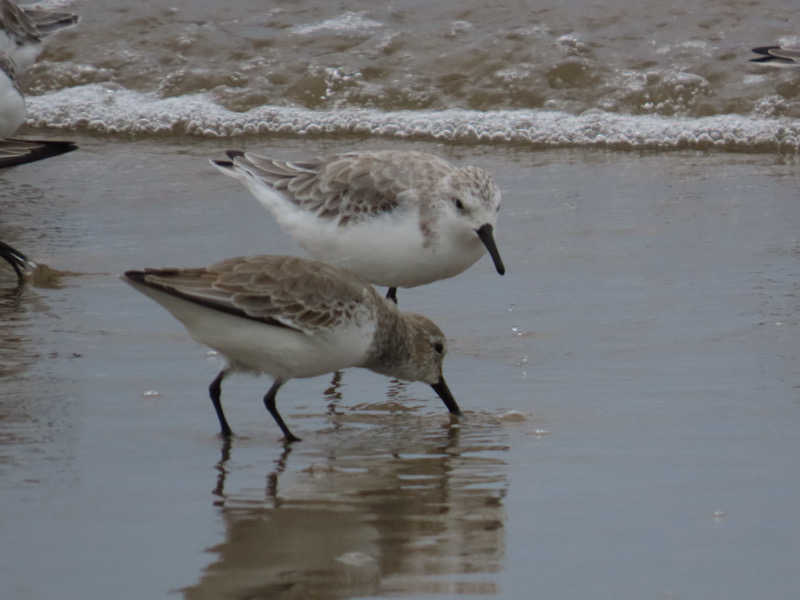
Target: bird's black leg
column 214, row 391
column 269, row 402
column 392, row 294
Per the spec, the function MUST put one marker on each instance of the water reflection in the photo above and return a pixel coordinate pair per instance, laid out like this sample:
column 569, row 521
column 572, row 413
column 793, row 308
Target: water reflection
column 397, row 389
column 37, row 423
column 17, row 353
column 414, row 509
column 333, row 394
column 222, row 471
column 272, row 477
column 18, row 309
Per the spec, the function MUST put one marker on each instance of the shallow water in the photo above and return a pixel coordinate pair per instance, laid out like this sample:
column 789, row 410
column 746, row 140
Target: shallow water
column 646, row 333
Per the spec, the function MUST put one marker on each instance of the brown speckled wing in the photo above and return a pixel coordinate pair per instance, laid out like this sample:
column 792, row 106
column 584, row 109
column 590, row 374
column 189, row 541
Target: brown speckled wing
column 285, row 291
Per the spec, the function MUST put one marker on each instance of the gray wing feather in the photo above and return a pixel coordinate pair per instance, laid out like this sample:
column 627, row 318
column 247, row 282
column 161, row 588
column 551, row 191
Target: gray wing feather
column 296, row 293
column 17, row 24
column 349, row 187
column 47, row 22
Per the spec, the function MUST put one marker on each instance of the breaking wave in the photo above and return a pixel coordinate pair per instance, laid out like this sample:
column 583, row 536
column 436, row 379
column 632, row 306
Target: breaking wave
column 99, row 109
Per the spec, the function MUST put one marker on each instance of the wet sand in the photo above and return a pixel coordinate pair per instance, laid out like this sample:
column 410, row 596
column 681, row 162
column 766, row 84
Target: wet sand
column 646, row 331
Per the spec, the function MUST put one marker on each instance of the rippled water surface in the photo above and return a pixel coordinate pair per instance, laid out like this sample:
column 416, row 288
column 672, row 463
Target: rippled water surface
column 630, row 388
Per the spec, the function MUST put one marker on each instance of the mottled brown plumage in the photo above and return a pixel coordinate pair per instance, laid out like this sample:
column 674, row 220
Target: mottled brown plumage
column 292, row 317
column 306, row 296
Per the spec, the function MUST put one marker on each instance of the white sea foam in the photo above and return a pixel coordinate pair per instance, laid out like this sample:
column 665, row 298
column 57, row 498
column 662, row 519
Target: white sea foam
column 349, row 22
column 97, row 108
column 792, row 41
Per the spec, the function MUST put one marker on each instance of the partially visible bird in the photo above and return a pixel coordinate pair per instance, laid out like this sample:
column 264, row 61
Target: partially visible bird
column 21, row 32
column 27, row 270
column 21, row 264
column 778, row 56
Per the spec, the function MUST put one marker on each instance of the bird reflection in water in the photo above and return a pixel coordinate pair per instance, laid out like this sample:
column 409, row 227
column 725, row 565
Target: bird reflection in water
column 370, row 511
column 222, row 473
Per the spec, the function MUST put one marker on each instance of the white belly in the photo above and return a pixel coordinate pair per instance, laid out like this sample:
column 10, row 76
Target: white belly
column 391, row 252
column 388, row 250
column 278, row 351
column 12, row 107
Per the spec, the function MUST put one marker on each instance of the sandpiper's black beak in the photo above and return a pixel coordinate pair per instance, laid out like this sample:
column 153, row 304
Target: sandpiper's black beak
column 485, row 233
column 443, row 392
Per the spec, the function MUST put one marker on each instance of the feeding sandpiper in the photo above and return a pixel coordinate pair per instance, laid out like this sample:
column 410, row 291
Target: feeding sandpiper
column 292, row 317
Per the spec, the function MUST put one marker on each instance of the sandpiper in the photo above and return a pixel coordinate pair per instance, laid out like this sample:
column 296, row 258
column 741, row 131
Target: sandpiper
column 395, row 218
column 292, row 318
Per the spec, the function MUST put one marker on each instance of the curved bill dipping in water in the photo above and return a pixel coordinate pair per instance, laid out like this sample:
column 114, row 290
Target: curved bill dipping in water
column 440, row 387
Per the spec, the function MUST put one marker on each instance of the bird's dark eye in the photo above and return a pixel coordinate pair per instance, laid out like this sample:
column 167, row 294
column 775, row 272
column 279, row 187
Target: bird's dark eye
column 459, row 204
column 439, row 347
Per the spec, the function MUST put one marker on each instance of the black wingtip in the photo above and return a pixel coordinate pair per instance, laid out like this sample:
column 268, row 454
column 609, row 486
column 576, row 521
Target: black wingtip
column 223, row 164
column 48, row 22
column 135, row 276
column 764, row 50
column 20, row 151
column 766, row 56
column 234, row 154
